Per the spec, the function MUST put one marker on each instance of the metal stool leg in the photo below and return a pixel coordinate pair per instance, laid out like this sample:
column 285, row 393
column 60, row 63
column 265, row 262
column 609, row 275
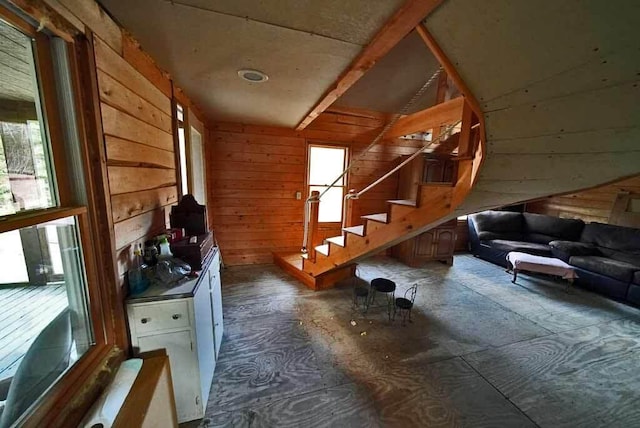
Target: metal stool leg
column 390, row 302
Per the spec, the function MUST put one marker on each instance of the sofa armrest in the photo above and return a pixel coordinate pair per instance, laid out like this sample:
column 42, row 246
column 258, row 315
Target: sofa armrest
column 4, row 388
column 564, row 250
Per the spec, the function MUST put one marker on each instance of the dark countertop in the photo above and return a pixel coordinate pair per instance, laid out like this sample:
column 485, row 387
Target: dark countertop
column 184, row 289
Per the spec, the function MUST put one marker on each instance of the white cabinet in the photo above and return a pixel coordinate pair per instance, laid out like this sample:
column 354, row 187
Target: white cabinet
column 187, row 321
column 216, row 306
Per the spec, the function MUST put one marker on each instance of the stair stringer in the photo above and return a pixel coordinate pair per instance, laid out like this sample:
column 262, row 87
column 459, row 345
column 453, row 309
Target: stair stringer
column 435, row 205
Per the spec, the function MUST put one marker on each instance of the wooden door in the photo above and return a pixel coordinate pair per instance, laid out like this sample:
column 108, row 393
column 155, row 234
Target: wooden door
column 424, row 244
column 445, row 242
column 183, row 370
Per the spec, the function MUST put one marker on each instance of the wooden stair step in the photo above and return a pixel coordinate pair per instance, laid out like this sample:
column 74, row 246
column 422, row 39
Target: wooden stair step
column 323, row 249
column 380, row 218
column 337, row 240
column 356, row 230
column 290, row 259
column 405, row 202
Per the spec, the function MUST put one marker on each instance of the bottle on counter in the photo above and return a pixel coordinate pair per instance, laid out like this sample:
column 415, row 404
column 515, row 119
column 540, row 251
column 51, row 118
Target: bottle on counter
column 165, row 249
column 137, row 275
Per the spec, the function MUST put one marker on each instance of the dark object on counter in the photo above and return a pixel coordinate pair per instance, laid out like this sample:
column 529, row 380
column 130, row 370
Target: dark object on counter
column 150, row 254
column 193, row 253
column 190, row 215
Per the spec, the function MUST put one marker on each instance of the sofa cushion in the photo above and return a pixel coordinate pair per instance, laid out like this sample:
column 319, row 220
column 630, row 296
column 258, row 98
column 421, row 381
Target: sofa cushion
column 613, row 237
column 539, row 238
column 485, row 236
column 524, row 247
column 503, row 223
column 605, row 266
column 564, row 229
column 636, row 278
column 563, row 250
column 630, row 258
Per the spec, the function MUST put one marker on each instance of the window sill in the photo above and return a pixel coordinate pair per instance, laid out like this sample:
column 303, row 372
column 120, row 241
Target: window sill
column 66, row 403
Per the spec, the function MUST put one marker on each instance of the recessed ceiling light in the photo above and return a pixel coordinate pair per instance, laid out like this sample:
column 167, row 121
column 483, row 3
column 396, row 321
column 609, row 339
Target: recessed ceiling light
column 253, row 76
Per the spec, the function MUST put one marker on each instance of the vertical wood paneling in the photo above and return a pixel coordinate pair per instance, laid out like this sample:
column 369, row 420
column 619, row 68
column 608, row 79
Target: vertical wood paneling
column 254, row 173
column 590, row 205
column 253, row 217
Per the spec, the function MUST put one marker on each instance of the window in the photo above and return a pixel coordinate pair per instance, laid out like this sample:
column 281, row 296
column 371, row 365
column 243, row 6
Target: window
column 326, row 163
column 197, row 167
column 182, row 150
column 45, row 325
column 190, row 149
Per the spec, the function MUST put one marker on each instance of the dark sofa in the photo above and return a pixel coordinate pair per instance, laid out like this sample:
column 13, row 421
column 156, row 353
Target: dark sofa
column 606, row 257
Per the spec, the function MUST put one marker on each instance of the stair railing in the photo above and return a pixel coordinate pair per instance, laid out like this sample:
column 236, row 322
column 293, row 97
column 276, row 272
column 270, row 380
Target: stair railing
column 354, row 195
column 376, row 140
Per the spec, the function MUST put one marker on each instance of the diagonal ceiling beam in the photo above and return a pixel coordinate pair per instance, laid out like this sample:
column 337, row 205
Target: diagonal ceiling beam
column 433, row 117
column 401, row 23
column 449, row 68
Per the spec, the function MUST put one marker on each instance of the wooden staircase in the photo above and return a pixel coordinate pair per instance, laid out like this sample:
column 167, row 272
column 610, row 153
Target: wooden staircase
column 333, row 259
column 558, row 118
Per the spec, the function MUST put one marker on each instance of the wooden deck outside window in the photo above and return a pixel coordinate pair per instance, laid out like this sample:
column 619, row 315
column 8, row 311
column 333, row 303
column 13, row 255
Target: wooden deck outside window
column 50, row 218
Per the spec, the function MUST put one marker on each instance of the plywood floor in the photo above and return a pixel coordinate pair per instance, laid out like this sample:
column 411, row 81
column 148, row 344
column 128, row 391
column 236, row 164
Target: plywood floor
column 24, row 313
column 481, row 352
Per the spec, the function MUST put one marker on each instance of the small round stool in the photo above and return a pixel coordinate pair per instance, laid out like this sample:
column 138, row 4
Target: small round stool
column 386, row 286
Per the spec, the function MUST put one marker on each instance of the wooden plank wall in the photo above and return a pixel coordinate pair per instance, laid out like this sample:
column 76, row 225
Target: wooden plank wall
column 254, row 173
column 137, row 126
column 590, row 205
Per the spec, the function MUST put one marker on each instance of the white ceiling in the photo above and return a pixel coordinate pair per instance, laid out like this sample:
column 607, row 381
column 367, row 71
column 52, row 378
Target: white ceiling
column 395, row 79
column 303, row 45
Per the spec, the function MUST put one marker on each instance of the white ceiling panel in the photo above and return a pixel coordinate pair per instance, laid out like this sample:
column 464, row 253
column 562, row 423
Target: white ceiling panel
column 395, row 79
column 204, row 49
column 353, row 21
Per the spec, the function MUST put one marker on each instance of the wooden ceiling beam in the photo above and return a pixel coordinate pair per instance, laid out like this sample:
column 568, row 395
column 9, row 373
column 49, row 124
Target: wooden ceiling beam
column 401, row 23
column 433, row 117
column 449, row 68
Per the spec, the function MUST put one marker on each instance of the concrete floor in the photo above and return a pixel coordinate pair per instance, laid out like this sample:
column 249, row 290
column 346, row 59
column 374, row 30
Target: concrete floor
column 481, row 351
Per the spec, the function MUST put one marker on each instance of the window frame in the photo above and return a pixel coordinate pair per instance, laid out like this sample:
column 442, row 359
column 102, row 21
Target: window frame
column 184, row 124
column 345, row 186
column 92, row 218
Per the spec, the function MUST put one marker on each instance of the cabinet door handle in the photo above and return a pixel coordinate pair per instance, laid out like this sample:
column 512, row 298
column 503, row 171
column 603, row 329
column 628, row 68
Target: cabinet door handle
column 145, row 320
column 176, row 316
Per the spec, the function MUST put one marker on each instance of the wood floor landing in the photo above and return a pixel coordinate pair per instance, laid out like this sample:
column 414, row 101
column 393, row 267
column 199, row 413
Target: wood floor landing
column 481, row 352
column 292, row 264
column 26, row 311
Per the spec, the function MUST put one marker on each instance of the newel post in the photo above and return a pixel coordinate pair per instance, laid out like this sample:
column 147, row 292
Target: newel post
column 350, row 209
column 312, row 237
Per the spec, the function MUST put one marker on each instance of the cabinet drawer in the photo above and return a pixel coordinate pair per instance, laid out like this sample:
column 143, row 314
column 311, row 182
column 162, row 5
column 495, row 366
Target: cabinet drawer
column 161, row 316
